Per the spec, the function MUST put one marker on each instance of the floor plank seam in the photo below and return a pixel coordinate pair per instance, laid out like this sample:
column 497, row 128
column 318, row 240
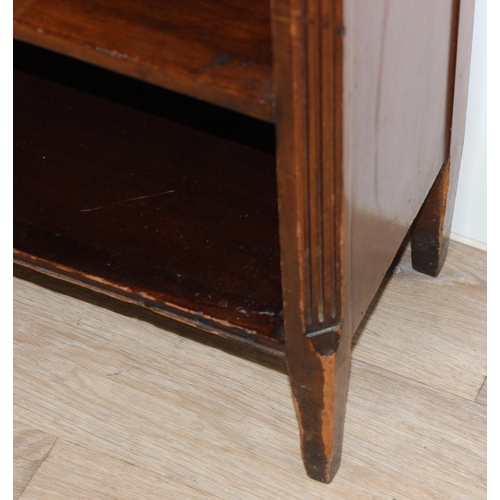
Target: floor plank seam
column 479, row 392
column 423, row 384
column 35, row 472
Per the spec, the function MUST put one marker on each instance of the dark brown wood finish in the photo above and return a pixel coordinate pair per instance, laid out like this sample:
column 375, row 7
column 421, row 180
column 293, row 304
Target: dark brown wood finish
column 363, row 106
column 160, row 214
column 431, row 231
column 398, row 120
column 141, row 196
column 217, row 50
column 308, row 78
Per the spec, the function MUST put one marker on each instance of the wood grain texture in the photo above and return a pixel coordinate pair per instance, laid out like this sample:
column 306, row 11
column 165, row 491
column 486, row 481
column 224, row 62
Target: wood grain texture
column 363, row 117
column 217, row 51
column 432, row 227
column 429, row 241
column 101, row 198
column 31, row 447
column 481, row 397
column 309, row 157
column 431, row 435
column 397, row 56
column 197, row 420
column 362, row 132
column 434, row 345
column 85, row 474
column 309, row 88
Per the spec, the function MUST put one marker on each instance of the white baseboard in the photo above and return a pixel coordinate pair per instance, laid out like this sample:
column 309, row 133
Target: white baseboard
column 468, row 241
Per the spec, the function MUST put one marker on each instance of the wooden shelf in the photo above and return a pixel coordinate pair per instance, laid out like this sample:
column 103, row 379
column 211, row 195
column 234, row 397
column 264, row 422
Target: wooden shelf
column 215, row 50
column 120, row 196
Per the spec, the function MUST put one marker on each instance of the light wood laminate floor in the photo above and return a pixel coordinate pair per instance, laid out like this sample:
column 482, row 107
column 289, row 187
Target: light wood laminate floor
column 111, row 402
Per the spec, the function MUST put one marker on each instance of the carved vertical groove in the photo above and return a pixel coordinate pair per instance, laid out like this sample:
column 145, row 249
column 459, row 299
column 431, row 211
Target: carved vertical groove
column 316, row 29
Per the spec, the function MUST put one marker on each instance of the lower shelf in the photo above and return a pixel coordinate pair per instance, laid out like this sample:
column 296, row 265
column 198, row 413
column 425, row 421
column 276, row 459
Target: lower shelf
column 119, row 197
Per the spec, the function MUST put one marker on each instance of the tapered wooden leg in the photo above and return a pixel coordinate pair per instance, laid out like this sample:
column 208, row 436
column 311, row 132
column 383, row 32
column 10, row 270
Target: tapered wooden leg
column 431, row 231
column 308, row 82
column 319, row 379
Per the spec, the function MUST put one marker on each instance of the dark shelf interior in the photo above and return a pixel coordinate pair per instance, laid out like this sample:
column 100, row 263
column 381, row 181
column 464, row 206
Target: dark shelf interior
column 147, row 195
column 215, row 50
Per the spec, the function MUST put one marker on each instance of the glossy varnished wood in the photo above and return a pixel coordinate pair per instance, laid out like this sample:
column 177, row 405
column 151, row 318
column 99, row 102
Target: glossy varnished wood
column 429, row 236
column 362, row 133
column 218, row 51
column 363, row 95
column 309, row 154
column 398, row 113
column 141, row 207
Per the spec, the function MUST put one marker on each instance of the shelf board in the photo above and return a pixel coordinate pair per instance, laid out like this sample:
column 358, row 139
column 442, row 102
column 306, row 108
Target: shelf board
column 218, row 51
column 133, row 204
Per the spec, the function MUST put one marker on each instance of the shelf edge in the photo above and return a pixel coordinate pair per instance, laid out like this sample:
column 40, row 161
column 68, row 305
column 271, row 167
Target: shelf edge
column 145, row 72
column 190, row 318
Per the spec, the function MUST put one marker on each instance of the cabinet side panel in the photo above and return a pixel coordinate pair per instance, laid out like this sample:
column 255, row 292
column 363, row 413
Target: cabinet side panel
column 399, row 63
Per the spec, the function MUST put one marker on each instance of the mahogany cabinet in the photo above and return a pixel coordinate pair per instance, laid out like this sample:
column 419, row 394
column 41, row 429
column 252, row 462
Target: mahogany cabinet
column 246, row 167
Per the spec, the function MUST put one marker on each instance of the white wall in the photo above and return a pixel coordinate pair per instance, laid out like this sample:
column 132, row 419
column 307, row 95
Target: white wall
column 469, row 220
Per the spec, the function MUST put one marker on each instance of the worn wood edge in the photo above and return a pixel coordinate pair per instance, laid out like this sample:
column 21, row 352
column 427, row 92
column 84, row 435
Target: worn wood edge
column 430, row 233
column 176, row 313
column 460, row 76
column 429, row 244
column 432, row 226
column 312, row 215
column 310, row 163
column 376, row 460
column 262, row 109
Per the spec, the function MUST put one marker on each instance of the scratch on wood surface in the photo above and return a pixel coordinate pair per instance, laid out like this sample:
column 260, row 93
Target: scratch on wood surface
column 115, row 53
column 128, row 199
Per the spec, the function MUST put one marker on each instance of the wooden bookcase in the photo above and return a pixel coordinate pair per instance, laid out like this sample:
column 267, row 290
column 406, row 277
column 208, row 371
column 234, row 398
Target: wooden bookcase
column 247, row 168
